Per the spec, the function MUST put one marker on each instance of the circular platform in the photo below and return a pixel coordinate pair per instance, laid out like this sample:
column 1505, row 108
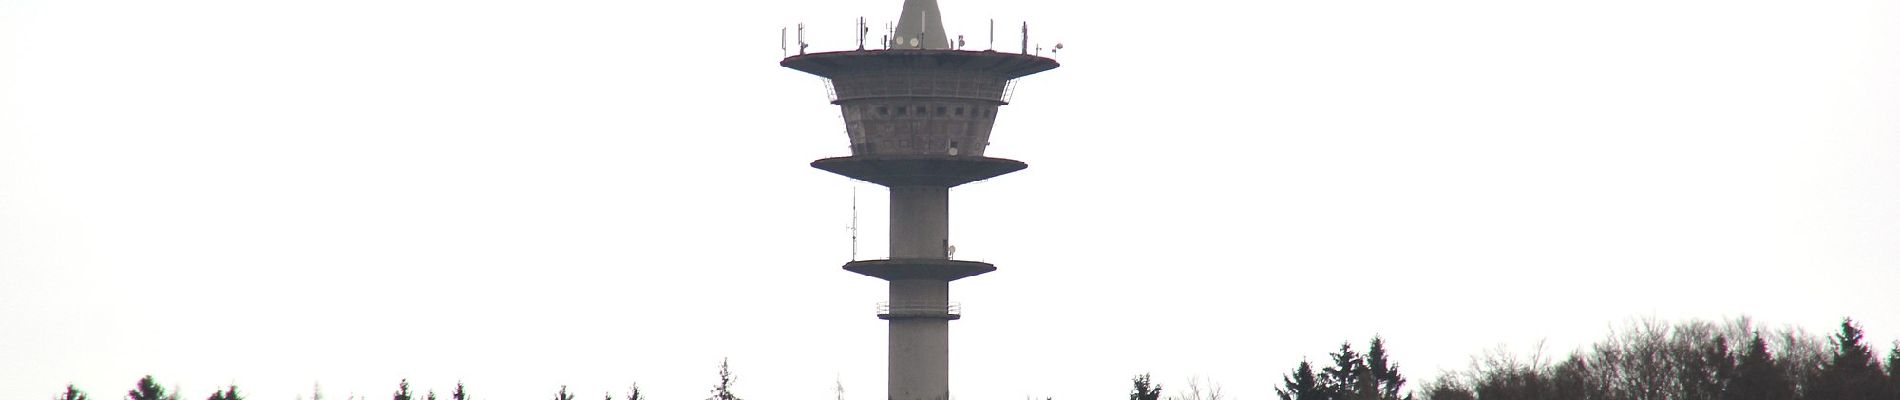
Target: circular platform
column 935, row 171
column 1005, row 65
column 919, row 268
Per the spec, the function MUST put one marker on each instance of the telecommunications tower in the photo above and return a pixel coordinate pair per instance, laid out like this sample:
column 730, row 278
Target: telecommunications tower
column 918, row 113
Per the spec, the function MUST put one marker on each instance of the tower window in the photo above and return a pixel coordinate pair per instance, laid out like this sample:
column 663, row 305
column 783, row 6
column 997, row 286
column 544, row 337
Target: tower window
column 959, row 111
column 900, row 110
column 920, row 110
column 940, row 110
column 882, row 110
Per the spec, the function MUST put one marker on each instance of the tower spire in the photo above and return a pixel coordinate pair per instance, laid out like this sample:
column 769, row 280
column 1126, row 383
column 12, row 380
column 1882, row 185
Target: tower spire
column 920, row 26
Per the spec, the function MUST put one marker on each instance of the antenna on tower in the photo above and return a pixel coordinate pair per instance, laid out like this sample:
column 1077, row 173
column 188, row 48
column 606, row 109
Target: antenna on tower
column 801, row 39
column 992, row 34
column 1025, row 37
column 854, row 223
column 781, row 42
column 862, row 32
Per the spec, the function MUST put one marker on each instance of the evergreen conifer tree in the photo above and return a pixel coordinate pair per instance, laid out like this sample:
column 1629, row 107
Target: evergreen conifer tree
column 1385, row 376
column 723, row 391
column 1301, row 385
column 1342, row 380
column 460, row 393
column 633, row 392
column 1852, row 373
column 1757, row 377
column 1703, row 368
column 226, row 394
column 72, row 393
column 1893, row 370
column 148, row 389
column 563, row 394
column 402, row 391
column 1145, row 389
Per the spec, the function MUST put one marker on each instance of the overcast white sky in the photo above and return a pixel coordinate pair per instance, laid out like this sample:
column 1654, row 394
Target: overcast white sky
column 523, row 195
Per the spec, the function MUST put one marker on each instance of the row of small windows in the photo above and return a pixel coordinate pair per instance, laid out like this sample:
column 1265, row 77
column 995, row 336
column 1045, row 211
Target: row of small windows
column 924, row 111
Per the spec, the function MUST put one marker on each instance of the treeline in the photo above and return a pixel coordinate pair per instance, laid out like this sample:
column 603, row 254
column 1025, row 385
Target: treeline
column 149, row 389
column 1646, row 360
column 1694, row 360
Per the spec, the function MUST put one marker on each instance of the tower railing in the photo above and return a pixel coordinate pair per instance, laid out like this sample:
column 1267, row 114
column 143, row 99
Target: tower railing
column 998, row 43
column 886, row 308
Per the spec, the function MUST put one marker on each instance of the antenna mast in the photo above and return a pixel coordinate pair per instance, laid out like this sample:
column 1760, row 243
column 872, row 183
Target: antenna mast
column 801, row 39
column 854, row 223
column 1025, row 37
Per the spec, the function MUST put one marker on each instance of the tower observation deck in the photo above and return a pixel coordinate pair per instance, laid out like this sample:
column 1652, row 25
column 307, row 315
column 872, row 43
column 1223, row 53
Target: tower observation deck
column 918, row 115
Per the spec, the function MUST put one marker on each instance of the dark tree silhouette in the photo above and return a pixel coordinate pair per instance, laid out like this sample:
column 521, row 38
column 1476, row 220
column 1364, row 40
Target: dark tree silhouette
column 1756, row 377
column 230, row 393
column 1385, row 375
column 402, row 391
column 1852, row 373
column 1301, row 385
column 1893, row 370
column 460, row 392
column 563, row 394
column 148, row 389
column 633, row 392
column 72, row 393
column 1448, row 389
column 1704, row 365
column 1353, row 376
column 723, row 391
column 1692, row 360
column 1145, row 389
column 1341, row 380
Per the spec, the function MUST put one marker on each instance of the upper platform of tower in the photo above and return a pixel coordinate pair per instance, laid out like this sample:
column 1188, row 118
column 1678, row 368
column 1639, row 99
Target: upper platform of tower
column 919, row 95
column 919, row 41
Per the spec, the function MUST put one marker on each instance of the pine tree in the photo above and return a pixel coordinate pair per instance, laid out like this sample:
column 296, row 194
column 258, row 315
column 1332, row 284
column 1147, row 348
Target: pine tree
column 148, row 389
column 460, row 393
column 72, row 393
column 1852, row 373
column 633, row 392
column 1703, row 369
column 1385, row 376
column 1342, row 380
column 563, row 394
column 402, row 391
column 1302, row 385
column 1893, row 370
column 226, row 394
column 1145, row 389
column 723, row 391
column 1757, row 377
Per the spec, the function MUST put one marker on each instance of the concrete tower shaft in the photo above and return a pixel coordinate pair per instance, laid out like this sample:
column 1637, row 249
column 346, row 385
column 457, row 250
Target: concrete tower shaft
column 919, row 118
